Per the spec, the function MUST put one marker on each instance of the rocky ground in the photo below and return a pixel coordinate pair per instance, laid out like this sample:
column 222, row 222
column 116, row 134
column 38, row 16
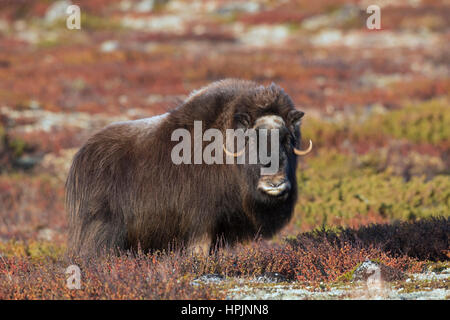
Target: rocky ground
column 417, row 286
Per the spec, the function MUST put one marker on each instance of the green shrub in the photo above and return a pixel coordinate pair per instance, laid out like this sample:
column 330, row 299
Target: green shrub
column 426, row 122
column 422, row 122
column 334, row 190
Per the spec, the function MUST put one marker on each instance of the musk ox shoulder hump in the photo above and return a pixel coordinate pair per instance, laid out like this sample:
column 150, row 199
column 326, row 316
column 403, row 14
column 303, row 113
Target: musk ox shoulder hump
column 225, row 87
column 150, row 123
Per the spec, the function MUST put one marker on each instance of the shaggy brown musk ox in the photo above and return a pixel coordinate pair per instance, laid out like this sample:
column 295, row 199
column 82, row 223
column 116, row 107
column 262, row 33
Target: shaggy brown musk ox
column 124, row 192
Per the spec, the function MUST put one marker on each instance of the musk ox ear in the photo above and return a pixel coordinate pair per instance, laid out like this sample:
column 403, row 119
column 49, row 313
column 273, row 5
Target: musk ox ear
column 241, row 121
column 294, row 117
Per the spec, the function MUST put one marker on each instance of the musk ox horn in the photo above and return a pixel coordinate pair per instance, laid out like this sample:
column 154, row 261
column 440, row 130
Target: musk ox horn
column 237, row 154
column 304, row 152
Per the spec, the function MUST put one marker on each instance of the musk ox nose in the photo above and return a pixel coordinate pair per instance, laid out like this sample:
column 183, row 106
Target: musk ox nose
column 274, row 188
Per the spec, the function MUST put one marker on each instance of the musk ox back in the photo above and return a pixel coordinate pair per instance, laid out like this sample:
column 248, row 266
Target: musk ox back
column 124, row 190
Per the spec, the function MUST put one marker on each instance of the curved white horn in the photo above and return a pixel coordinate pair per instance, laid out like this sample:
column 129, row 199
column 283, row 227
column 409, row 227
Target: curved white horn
column 304, row 152
column 237, row 154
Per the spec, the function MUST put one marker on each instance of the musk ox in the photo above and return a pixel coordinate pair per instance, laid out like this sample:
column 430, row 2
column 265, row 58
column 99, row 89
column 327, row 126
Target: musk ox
column 124, row 191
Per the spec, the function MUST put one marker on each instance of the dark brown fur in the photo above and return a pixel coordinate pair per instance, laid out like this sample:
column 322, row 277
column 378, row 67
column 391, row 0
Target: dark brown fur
column 124, row 192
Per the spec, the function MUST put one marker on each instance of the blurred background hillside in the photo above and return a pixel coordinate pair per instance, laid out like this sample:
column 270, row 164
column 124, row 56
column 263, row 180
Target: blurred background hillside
column 377, row 102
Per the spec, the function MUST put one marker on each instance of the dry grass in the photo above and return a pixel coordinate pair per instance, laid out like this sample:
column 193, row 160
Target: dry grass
column 37, row 272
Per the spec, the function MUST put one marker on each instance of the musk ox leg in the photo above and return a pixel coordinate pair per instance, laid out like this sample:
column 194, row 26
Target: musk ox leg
column 97, row 237
column 200, row 246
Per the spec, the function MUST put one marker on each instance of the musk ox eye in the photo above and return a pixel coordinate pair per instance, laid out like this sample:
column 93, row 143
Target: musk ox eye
column 294, row 117
column 242, row 120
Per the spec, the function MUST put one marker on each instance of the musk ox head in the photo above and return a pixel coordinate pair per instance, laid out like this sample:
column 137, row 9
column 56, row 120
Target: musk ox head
column 269, row 114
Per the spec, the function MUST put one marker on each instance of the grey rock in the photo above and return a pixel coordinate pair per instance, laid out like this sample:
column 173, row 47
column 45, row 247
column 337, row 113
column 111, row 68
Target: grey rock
column 372, row 270
column 57, row 11
column 271, row 277
column 210, row 278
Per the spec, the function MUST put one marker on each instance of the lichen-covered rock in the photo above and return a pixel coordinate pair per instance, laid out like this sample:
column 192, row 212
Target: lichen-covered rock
column 57, row 11
column 375, row 271
column 210, row 278
column 271, row 277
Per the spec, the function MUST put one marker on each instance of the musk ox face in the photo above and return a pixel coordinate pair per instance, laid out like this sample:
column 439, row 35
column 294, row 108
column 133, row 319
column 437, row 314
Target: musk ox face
column 278, row 184
column 279, row 137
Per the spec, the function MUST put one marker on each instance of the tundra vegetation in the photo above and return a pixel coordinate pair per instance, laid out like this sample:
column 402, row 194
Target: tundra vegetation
column 376, row 186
